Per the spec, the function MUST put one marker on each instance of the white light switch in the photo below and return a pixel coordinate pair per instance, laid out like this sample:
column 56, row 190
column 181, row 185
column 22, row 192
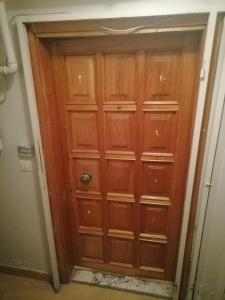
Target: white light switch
column 25, row 165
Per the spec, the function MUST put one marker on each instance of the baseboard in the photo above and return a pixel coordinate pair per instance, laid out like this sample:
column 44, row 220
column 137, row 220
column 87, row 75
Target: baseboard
column 26, row 273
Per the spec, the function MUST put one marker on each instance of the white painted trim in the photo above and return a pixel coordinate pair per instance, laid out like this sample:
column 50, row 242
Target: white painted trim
column 200, row 104
column 211, row 26
column 25, row 54
column 209, row 155
column 159, row 11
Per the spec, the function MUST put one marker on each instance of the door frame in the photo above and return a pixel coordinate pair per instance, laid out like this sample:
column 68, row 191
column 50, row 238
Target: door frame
column 208, row 170
column 22, row 21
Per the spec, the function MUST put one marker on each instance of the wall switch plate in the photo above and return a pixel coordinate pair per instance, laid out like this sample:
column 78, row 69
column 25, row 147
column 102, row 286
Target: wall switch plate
column 26, row 150
column 25, row 165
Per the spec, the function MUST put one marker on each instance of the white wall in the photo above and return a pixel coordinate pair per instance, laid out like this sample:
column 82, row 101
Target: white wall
column 102, row 5
column 22, row 234
column 210, row 283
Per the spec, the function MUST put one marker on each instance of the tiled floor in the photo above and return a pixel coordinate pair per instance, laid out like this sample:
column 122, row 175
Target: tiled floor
column 19, row 288
column 125, row 283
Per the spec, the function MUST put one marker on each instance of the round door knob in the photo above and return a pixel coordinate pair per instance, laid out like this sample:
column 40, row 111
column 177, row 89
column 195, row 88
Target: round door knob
column 85, row 177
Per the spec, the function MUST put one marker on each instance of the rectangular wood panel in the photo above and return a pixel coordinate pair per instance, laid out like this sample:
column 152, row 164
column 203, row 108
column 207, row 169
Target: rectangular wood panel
column 91, row 247
column 84, row 131
column 120, row 77
column 120, row 175
column 81, row 79
column 161, row 76
column 90, row 213
column 152, row 256
column 160, row 132
column 120, row 131
column 121, row 216
column 154, row 219
column 121, row 252
column 157, row 178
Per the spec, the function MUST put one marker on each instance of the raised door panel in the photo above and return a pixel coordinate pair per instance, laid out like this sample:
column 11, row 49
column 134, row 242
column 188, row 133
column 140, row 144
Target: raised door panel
column 120, row 77
column 157, row 179
column 120, row 176
column 92, row 167
column 84, row 131
column 159, row 132
column 121, row 216
column 91, row 247
column 80, row 79
column 120, row 131
column 154, row 219
column 121, row 251
column 90, row 213
column 152, row 256
column 161, row 76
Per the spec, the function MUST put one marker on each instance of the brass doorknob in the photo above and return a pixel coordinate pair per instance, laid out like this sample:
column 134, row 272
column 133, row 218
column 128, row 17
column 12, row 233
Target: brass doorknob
column 85, row 177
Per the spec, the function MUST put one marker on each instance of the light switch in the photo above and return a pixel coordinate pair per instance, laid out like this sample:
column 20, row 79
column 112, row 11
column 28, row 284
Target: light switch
column 26, row 150
column 25, row 165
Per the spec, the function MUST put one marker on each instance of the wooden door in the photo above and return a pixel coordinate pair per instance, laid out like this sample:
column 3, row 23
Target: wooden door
column 126, row 109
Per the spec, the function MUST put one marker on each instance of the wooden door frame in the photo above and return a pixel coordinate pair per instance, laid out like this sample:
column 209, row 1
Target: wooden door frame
column 32, row 101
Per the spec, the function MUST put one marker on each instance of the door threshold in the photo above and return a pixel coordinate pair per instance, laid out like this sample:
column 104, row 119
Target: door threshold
column 122, row 282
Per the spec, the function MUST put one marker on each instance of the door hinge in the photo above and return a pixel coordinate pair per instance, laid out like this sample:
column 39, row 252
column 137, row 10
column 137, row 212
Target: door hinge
column 202, row 73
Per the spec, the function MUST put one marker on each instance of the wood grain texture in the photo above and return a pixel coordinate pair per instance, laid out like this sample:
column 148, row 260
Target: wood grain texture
column 125, row 106
column 145, row 106
column 56, row 168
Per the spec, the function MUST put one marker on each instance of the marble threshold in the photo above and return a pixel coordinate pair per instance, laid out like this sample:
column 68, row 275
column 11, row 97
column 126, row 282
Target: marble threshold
column 126, row 283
